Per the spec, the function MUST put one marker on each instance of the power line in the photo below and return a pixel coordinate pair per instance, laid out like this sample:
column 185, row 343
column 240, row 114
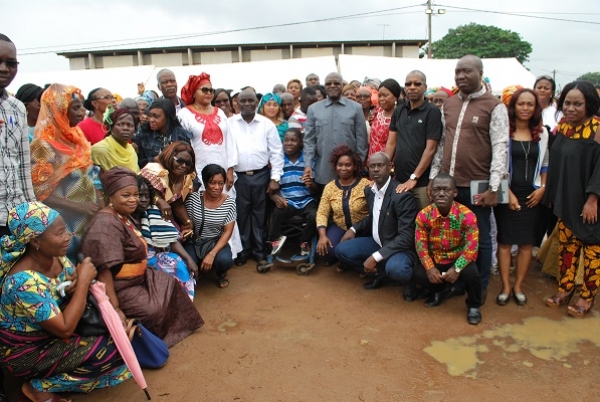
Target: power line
column 173, row 37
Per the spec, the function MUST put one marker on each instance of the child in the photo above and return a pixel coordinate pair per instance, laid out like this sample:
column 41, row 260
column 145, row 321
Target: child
column 294, row 197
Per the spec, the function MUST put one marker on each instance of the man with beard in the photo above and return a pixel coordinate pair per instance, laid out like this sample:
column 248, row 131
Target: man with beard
column 334, row 121
column 168, row 86
column 447, row 242
column 258, row 145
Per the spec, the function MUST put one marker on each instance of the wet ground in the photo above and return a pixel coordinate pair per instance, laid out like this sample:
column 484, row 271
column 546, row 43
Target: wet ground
column 284, row 337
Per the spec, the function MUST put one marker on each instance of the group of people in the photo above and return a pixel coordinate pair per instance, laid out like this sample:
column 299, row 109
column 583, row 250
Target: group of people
column 147, row 193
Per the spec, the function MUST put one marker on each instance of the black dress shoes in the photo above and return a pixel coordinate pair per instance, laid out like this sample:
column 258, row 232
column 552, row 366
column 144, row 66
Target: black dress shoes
column 240, row 260
column 374, row 284
column 474, row 316
column 434, row 300
column 410, row 293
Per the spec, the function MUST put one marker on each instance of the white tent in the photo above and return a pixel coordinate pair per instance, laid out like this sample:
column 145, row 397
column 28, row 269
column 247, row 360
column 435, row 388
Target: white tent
column 439, row 72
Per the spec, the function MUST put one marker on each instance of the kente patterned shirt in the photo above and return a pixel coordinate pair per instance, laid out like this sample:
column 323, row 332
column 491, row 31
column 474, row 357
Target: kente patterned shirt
column 452, row 239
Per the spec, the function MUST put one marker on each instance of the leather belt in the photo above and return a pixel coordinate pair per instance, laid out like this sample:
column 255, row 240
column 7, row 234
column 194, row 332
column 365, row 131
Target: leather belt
column 252, row 172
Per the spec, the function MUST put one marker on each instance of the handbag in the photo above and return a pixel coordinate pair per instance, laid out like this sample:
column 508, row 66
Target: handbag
column 203, row 246
column 91, row 322
column 150, row 350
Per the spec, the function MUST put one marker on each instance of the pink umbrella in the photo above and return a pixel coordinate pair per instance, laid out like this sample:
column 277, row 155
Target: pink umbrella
column 115, row 327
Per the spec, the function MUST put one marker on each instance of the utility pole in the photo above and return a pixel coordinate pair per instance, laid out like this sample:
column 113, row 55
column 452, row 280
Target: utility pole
column 383, row 25
column 429, row 12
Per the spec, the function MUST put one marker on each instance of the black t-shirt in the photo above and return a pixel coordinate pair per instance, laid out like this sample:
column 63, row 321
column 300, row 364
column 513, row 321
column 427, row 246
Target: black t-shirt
column 413, row 128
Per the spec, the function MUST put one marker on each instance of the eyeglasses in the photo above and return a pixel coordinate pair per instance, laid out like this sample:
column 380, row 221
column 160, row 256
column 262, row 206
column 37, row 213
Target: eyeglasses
column 363, row 96
column 413, row 83
column 207, row 90
column 105, row 97
column 181, row 161
column 9, row 63
column 221, row 101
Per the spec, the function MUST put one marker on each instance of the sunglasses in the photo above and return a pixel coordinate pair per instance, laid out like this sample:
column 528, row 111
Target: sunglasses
column 105, row 97
column 9, row 63
column 181, row 161
column 413, row 83
column 363, row 96
column 206, row 90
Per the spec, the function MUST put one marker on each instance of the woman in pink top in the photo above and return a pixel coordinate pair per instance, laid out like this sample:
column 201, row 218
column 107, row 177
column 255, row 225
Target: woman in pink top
column 389, row 92
column 96, row 103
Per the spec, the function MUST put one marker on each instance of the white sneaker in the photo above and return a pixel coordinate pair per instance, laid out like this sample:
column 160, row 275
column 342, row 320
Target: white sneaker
column 278, row 244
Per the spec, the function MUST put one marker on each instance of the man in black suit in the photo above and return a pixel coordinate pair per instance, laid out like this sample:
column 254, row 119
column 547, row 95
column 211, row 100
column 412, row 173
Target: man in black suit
column 385, row 245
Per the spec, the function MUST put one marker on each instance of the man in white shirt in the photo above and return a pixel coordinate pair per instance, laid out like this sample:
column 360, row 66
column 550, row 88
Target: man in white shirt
column 382, row 244
column 258, row 145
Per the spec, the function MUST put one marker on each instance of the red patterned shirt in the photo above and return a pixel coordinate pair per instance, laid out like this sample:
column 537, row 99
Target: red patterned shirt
column 452, row 239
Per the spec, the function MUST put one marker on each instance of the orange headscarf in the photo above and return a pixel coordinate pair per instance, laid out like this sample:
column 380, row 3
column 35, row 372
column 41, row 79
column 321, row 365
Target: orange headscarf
column 508, row 92
column 190, row 87
column 53, row 134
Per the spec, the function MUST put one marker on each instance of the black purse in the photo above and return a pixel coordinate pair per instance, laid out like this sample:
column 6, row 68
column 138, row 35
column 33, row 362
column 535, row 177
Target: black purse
column 203, row 246
column 91, row 322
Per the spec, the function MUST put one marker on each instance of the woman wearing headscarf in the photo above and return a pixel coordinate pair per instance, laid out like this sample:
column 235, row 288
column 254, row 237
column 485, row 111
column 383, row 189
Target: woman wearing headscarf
column 31, row 96
column 115, row 149
column 96, row 102
column 389, row 92
column 119, row 252
column 62, row 171
column 161, row 129
column 270, row 107
column 144, row 101
column 37, row 339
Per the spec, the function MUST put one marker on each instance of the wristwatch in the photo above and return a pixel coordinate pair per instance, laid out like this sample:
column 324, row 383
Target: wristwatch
column 414, row 177
column 494, row 189
column 275, row 180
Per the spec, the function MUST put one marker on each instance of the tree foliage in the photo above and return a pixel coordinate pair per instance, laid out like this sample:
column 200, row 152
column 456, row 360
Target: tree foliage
column 481, row 41
column 594, row 78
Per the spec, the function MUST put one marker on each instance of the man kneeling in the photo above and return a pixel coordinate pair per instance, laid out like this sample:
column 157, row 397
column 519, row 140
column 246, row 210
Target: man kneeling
column 447, row 241
column 385, row 245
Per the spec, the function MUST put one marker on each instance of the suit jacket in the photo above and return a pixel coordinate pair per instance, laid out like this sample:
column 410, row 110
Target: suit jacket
column 396, row 221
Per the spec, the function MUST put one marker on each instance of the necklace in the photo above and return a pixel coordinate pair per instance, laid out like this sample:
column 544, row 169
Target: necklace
column 346, row 189
column 526, row 156
column 127, row 223
column 96, row 119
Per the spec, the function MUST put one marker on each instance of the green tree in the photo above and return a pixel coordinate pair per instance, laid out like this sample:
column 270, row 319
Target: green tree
column 594, row 78
column 481, row 41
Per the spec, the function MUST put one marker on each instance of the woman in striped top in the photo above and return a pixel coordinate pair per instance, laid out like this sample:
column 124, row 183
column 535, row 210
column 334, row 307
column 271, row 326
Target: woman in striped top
column 213, row 216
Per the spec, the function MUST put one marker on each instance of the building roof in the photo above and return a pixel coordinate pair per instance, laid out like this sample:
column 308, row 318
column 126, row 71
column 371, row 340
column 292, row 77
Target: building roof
column 179, row 48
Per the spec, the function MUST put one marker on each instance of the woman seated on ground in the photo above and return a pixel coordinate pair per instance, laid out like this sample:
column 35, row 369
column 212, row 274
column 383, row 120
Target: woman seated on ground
column 62, row 171
column 519, row 219
column 118, row 251
column 213, row 215
column 115, row 149
column 270, row 107
column 161, row 129
column 343, row 198
column 37, row 339
column 172, row 177
column 165, row 252
column 222, row 100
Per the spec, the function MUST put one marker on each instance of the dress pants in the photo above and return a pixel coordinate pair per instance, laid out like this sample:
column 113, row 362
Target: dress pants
column 484, row 258
column 469, row 276
column 279, row 217
column 251, row 204
column 354, row 252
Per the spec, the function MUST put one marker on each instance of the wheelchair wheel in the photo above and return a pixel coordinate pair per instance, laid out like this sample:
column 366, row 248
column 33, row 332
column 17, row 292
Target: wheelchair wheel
column 263, row 267
column 304, row 269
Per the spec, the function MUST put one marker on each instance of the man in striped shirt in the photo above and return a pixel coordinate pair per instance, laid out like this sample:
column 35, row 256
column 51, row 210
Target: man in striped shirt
column 294, row 197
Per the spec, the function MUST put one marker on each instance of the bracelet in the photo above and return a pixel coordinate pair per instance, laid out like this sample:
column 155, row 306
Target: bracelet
column 213, row 254
column 155, row 199
column 187, row 222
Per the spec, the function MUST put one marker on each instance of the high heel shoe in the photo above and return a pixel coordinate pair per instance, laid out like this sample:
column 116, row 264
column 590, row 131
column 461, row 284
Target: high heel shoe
column 579, row 311
column 560, row 299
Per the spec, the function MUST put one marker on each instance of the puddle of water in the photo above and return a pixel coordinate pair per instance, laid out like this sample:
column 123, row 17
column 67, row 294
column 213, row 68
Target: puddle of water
column 542, row 337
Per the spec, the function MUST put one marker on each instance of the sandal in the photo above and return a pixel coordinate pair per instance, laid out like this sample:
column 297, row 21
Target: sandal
column 222, row 282
column 341, row 268
column 578, row 310
column 559, row 299
column 28, row 396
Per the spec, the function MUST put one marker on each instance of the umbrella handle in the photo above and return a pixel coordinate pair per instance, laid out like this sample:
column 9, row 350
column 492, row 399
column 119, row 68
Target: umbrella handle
column 62, row 286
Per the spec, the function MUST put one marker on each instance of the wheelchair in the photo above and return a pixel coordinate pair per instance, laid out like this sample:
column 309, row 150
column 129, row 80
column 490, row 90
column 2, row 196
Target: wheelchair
column 303, row 264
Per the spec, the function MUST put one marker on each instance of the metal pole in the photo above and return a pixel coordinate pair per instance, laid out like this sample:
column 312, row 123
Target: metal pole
column 429, row 28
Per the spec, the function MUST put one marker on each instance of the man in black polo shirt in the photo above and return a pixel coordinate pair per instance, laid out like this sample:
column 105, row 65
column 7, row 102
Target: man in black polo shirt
column 415, row 130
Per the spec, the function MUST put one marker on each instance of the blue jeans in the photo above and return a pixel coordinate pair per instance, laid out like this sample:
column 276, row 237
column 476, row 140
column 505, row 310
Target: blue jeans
column 222, row 262
column 354, row 252
column 484, row 258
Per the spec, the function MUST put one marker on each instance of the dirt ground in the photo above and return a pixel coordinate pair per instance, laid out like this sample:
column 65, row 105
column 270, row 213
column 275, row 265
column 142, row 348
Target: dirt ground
column 284, row 337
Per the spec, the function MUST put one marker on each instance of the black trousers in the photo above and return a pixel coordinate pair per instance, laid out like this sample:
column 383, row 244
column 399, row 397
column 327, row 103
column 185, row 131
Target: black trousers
column 469, row 276
column 280, row 216
column 251, row 203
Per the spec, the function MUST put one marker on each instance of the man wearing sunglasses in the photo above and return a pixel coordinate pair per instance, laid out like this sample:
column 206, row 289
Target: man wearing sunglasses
column 168, row 86
column 474, row 146
column 15, row 167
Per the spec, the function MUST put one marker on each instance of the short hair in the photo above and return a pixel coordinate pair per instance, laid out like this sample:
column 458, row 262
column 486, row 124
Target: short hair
column 535, row 123
column 421, row 73
column 142, row 181
column 385, row 156
column 5, row 38
column 29, row 92
column 546, row 78
column 88, row 101
column 163, row 71
column 321, row 88
column 165, row 158
column 296, row 132
column 393, row 86
column 168, row 108
column 308, row 91
column 348, row 87
column 345, row 150
column 296, row 80
column 592, row 100
column 445, row 176
column 211, row 170
column 217, row 93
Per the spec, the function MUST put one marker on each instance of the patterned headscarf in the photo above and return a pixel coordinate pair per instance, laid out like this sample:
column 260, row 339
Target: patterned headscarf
column 25, row 222
column 268, row 97
column 190, row 87
column 54, row 134
column 508, row 92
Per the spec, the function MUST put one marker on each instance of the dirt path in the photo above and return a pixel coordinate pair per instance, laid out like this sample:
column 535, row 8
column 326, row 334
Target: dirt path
column 282, row 337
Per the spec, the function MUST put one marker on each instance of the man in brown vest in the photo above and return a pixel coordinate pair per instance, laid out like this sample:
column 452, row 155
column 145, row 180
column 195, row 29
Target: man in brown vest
column 474, row 146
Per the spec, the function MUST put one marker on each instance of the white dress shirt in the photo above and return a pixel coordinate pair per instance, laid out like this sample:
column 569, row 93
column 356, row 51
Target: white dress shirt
column 377, row 203
column 257, row 143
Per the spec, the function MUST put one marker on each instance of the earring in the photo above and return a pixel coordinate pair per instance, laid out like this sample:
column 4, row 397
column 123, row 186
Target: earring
column 37, row 248
column 111, row 205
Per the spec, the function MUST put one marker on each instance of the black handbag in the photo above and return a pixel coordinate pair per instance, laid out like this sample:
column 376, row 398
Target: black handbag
column 203, row 246
column 91, row 322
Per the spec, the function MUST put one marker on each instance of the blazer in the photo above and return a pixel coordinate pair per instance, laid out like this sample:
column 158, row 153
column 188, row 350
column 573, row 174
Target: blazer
column 396, row 221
